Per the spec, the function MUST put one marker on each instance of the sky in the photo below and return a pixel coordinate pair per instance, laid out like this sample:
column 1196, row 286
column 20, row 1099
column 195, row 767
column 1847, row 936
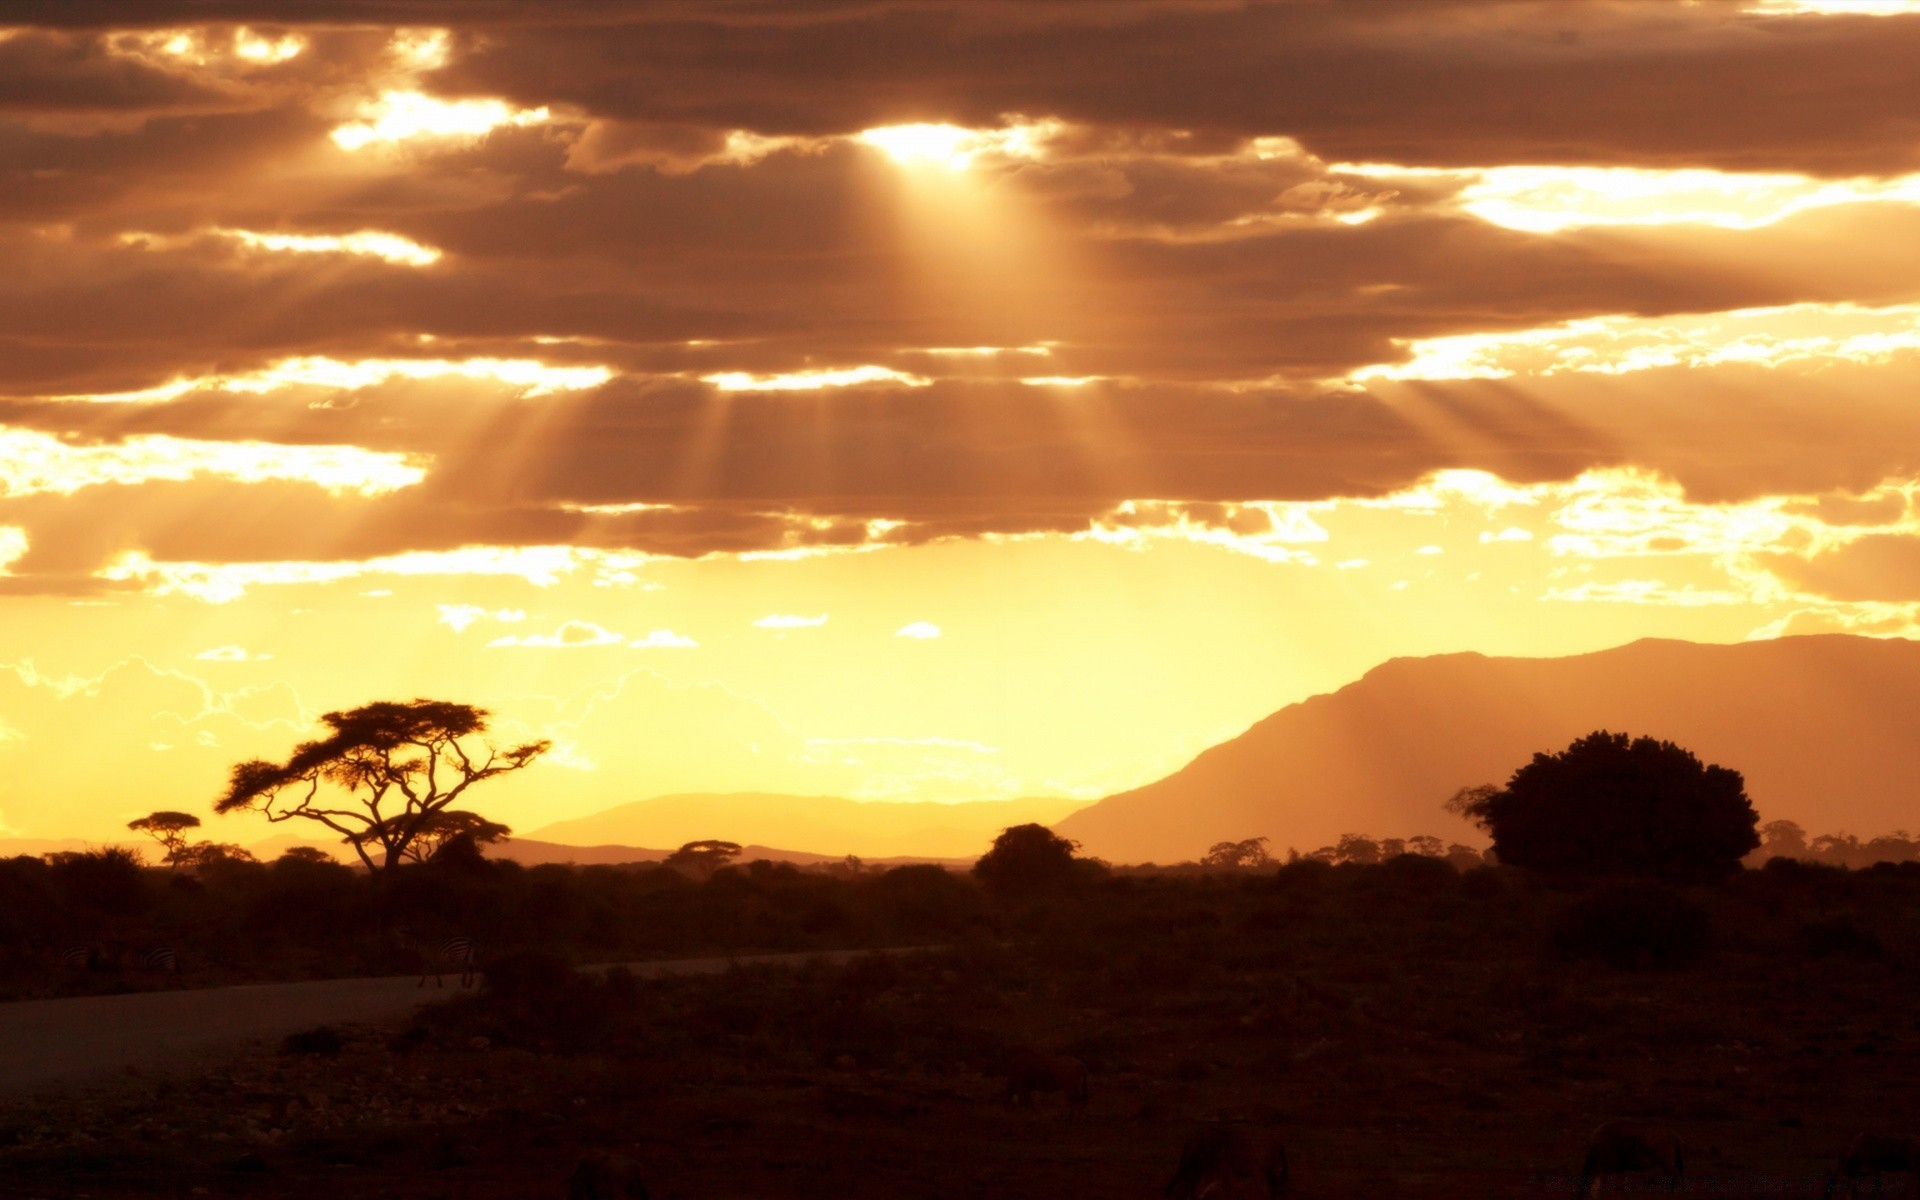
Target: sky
column 918, row 399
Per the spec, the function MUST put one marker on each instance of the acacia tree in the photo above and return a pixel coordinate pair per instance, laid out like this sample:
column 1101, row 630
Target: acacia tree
column 170, row 830
column 1246, row 854
column 444, row 826
column 702, row 858
column 394, row 767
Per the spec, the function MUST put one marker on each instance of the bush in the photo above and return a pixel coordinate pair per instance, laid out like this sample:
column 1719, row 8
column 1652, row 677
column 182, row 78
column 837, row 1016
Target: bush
column 1634, row 926
column 1610, row 805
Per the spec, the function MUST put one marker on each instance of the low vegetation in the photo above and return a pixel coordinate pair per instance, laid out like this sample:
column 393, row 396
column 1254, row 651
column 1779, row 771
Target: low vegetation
column 1414, row 1030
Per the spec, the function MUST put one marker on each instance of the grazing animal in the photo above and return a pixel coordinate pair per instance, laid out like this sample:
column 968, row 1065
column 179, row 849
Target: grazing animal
column 158, row 958
column 1876, row 1156
column 604, row 1176
column 443, row 956
column 81, row 958
column 1220, row 1152
column 1030, row 1072
column 1631, row 1148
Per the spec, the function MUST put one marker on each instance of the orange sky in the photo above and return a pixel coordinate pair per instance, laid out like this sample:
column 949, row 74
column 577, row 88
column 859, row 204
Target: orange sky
column 935, row 400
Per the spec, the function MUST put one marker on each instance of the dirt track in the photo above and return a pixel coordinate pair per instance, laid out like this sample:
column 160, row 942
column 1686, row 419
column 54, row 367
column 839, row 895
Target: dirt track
column 45, row 1044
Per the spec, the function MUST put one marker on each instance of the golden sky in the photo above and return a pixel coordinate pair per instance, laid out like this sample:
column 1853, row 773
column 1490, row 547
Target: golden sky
column 941, row 399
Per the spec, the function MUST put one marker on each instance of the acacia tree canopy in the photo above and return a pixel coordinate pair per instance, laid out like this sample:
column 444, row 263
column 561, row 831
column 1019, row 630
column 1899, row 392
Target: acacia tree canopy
column 1613, row 805
column 169, row 829
column 385, row 772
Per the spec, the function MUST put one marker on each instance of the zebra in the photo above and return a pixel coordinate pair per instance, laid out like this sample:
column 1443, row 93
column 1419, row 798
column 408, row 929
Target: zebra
column 441, row 956
column 1877, row 1156
column 1030, row 1072
column 1630, row 1147
column 85, row 957
column 159, row 959
column 1222, row 1151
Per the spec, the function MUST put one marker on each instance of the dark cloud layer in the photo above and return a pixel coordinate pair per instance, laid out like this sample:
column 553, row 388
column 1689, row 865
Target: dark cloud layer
column 1215, row 291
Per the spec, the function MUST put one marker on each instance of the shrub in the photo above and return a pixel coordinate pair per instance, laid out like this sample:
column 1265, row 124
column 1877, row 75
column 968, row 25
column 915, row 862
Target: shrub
column 1633, row 926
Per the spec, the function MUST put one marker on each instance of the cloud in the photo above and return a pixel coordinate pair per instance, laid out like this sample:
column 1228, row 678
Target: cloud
column 13, row 545
column 231, row 654
column 659, row 638
column 918, row 629
column 460, row 616
column 789, row 621
column 570, row 635
column 32, row 463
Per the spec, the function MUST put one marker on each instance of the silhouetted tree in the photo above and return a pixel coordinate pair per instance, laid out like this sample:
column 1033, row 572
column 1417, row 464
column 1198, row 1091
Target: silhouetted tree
column 701, row 859
column 1252, row 852
column 1783, row 839
column 1027, row 858
column 169, row 829
column 443, row 827
column 415, row 757
column 305, row 854
column 1611, row 805
column 202, row 855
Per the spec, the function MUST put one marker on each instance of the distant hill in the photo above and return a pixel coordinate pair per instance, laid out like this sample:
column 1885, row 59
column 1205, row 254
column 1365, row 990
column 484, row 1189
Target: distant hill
column 1824, row 729
column 829, row 826
column 531, row 853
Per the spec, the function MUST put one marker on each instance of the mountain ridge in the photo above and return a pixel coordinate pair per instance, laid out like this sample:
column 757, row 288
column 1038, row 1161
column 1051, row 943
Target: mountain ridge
column 1802, row 717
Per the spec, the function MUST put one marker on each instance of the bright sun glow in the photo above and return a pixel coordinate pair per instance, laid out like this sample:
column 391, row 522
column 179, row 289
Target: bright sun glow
column 400, row 116
column 954, row 147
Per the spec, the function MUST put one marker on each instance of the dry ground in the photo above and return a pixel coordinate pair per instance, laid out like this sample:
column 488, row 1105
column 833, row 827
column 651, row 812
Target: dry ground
column 1413, row 1041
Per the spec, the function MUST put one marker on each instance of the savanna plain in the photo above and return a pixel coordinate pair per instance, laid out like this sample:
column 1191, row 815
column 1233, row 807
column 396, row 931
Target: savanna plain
column 1409, row 1029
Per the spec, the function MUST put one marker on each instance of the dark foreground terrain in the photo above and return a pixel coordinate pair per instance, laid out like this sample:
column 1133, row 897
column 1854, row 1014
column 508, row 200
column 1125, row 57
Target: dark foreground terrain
column 1416, row 1032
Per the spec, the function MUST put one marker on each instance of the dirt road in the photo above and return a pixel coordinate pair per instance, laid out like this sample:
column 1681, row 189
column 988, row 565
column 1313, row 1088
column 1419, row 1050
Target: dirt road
column 47, row 1044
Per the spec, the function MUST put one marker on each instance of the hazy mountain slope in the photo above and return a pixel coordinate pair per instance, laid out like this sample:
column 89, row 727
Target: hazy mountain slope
column 1826, row 730
column 826, row 825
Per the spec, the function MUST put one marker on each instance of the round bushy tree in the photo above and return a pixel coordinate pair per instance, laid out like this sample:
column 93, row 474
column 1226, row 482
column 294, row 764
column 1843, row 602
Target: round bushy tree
column 1611, row 805
column 1027, row 858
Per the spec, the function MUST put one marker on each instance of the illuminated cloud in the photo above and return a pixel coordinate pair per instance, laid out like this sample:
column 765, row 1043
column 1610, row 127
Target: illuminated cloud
column 812, row 380
column 789, row 621
column 956, row 148
column 1039, row 350
column 399, row 116
column 460, row 616
column 33, row 463
column 221, row 583
column 180, row 49
column 260, row 49
column 1264, row 529
column 663, row 639
column 572, row 634
column 420, row 49
column 231, row 654
column 918, row 629
column 388, row 246
column 1647, row 591
column 1835, row 8
column 1795, row 335
column 13, row 545
column 1550, row 199
column 333, row 374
